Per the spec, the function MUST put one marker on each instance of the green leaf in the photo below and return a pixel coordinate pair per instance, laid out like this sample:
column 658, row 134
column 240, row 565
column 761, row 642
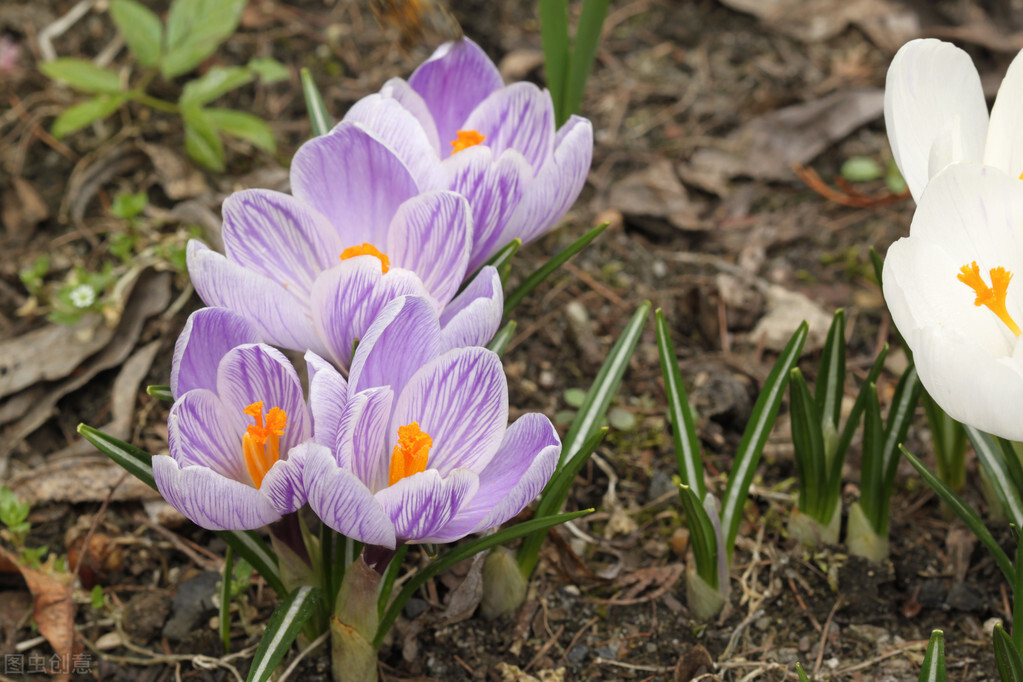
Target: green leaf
column 225, row 600
column 160, row 392
column 933, row 668
column 701, row 530
column 319, row 119
column 765, row 411
column 801, row 673
column 853, row 420
column 1017, row 592
column 284, row 626
column 127, row 205
column 244, row 126
column 13, row 511
column 966, row 514
column 502, row 337
column 997, row 467
column 877, row 263
column 861, row 169
column 808, row 445
column 141, row 29
column 217, row 82
column 545, row 270
column 900, row 414
column 501, row 261
column 587, row 38
column 82, row 75
column 390, row 575
column 949, row 443
column 268, row 69
column 831, row 373
column 687, row 443
column 76, row 117
column 202, row 141
column 195, row 28
column 1007, row 657
column 135, row 461
column 556, row 45
column 252, row 549
column 460, row 553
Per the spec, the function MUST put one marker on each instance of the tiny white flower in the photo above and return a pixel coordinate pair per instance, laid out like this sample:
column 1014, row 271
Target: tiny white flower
column 83, row 296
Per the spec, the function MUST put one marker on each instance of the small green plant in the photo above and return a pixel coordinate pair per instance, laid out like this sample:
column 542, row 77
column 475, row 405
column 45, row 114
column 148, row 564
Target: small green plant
column 193, row 31
column 82, row 292
column 14, row 516
column 568, row 62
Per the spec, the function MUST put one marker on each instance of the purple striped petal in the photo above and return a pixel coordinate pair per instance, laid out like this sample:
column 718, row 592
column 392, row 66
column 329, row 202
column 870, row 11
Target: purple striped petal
column 452, row 82
column 202, row 431
column 283, row 484
column 282, row 317
column 387, row 120
column 431, row 235
column 493, row 190
column 422, row 504
column 475, row 315
column 347, row 299
column 277, row 236
column 328, row 394
column 461, row 400
column 556, row 187
column 400, row 90
column 208, row 334
column 362, row 434
column 354, row 180
column 404, row 337
column 519, row 117
column 211, row 500
column 344, row 503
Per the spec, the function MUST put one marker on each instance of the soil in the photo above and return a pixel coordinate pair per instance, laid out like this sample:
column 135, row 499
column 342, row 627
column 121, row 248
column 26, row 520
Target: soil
column 706, row 236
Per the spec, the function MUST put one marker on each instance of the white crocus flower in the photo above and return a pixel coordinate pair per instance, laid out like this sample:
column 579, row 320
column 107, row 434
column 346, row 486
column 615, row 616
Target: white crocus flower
column 950, row 291
column 935, row 113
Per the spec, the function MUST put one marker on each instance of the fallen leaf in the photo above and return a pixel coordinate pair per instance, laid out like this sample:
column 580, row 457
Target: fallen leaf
column 655, row 201
column 22, row 209
column 179, row 178
column 49, row 353
column 785, row 311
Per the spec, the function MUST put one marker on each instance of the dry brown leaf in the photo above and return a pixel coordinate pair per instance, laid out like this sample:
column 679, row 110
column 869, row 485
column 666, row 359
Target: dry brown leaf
column 179, row 178
column 22, row 209
column 655, row 201
column 786, row 310
column 49, row 353
column 466, row 597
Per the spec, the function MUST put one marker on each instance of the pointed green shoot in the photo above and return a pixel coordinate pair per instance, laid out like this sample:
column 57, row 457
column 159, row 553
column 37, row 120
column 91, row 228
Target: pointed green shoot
column 284, row 626
column 225, row 599
column 687, row 444
column 704, row 540
column 503, row 337
column 949, row 443
column 584, row 50
column 555, row 41
column 160, row 392
column 319, row 119
column 853, row 421
column 999, row 470
column 1007, row 656
column 808, row 445
column 933, row 668
column 801, row 673
column 831, row 374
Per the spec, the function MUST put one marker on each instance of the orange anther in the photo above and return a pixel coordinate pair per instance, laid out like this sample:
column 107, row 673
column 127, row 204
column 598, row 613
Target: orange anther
column 366, row 249
column 410, row 454
column 466, row 139
column 261, row 445
column 992, row 297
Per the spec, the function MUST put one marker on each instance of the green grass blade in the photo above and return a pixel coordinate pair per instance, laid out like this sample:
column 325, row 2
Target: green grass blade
column 949, row 438
column 319, row 119
column 900, row 414
column 390, row 575
column 704, row 540
column 755, row 436
column 687, row 444
column 964, row 512
column 853, row 421
column 584, row 50
column 933, row 668
column 225, row 600
column 1017, row 595
column 545, row 270
column 160, row 392
column 872, row 463
column 503, row 337
column 460, row 553
column 831, row 372
column 554, row 38
column 1010, row 665
column 282, row 629
column 808, row 445
column 251, row 547
column 801, row 673
column 992, row 458
column 135, row 461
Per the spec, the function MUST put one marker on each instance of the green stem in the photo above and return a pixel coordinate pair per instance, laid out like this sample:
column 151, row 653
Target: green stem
column 153, row 102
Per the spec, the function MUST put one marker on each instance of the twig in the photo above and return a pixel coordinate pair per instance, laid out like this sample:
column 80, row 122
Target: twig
column 57, row 28
column 95, row 523
column 302, row 654
column 824, row 634
column 856, row 200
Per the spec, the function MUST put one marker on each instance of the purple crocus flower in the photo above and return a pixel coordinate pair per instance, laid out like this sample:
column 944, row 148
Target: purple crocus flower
column 421, row 447
column 311, row 271
column 239, row 429
column 495, row 144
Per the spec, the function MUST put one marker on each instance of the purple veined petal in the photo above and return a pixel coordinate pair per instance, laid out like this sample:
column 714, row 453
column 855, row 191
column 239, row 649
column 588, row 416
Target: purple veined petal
column 259, row 373
column 399, row 89
column 461, row 400
column 475, row 315
column 283, row 483
column 354, row 180
column 348, row 297
column 493, row 190
column 390, row 122
column 452, row 82
column 556, row 187
column 403, row 338
column 276, row 235
column 431, row 235
column 208, row 334
column 328, row 395
column 280, row 316
column 362, row 435
column 211, row 500
column 202, row 431
column 519, row 117
column 344, row 503
column 422, row 504
column 517, row 474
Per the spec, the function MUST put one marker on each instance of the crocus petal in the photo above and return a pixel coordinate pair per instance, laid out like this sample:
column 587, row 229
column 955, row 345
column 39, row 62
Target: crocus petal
column 354, row 180
column 208, row 334
column 556, row 187
column 202, row 431
column 493, row 190
column 211, row 500
column 277, row 236
column 452, row 82
column 422, row 504
column 362, row 434
column 281, row 317
column 252, row 373
column 933, row 90
column 344, row 503
column 1004, row 148
column 515, row 476
column 347, row 298
column 328, row 394
column 403, row 338
column 400, row 90
column 283, row 484
column 431, row 235
column 461, row 400
column 519, row 117
column 400, row 130
column 475, row 315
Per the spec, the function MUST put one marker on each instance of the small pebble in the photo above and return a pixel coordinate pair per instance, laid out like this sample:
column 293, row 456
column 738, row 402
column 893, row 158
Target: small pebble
column 804, row 644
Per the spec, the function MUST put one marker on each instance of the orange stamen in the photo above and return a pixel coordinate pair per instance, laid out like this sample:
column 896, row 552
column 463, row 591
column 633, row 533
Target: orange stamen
column 366, row 249
column 261, row 443
column 410, row 454
column 466, row 139
column 994, row 296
